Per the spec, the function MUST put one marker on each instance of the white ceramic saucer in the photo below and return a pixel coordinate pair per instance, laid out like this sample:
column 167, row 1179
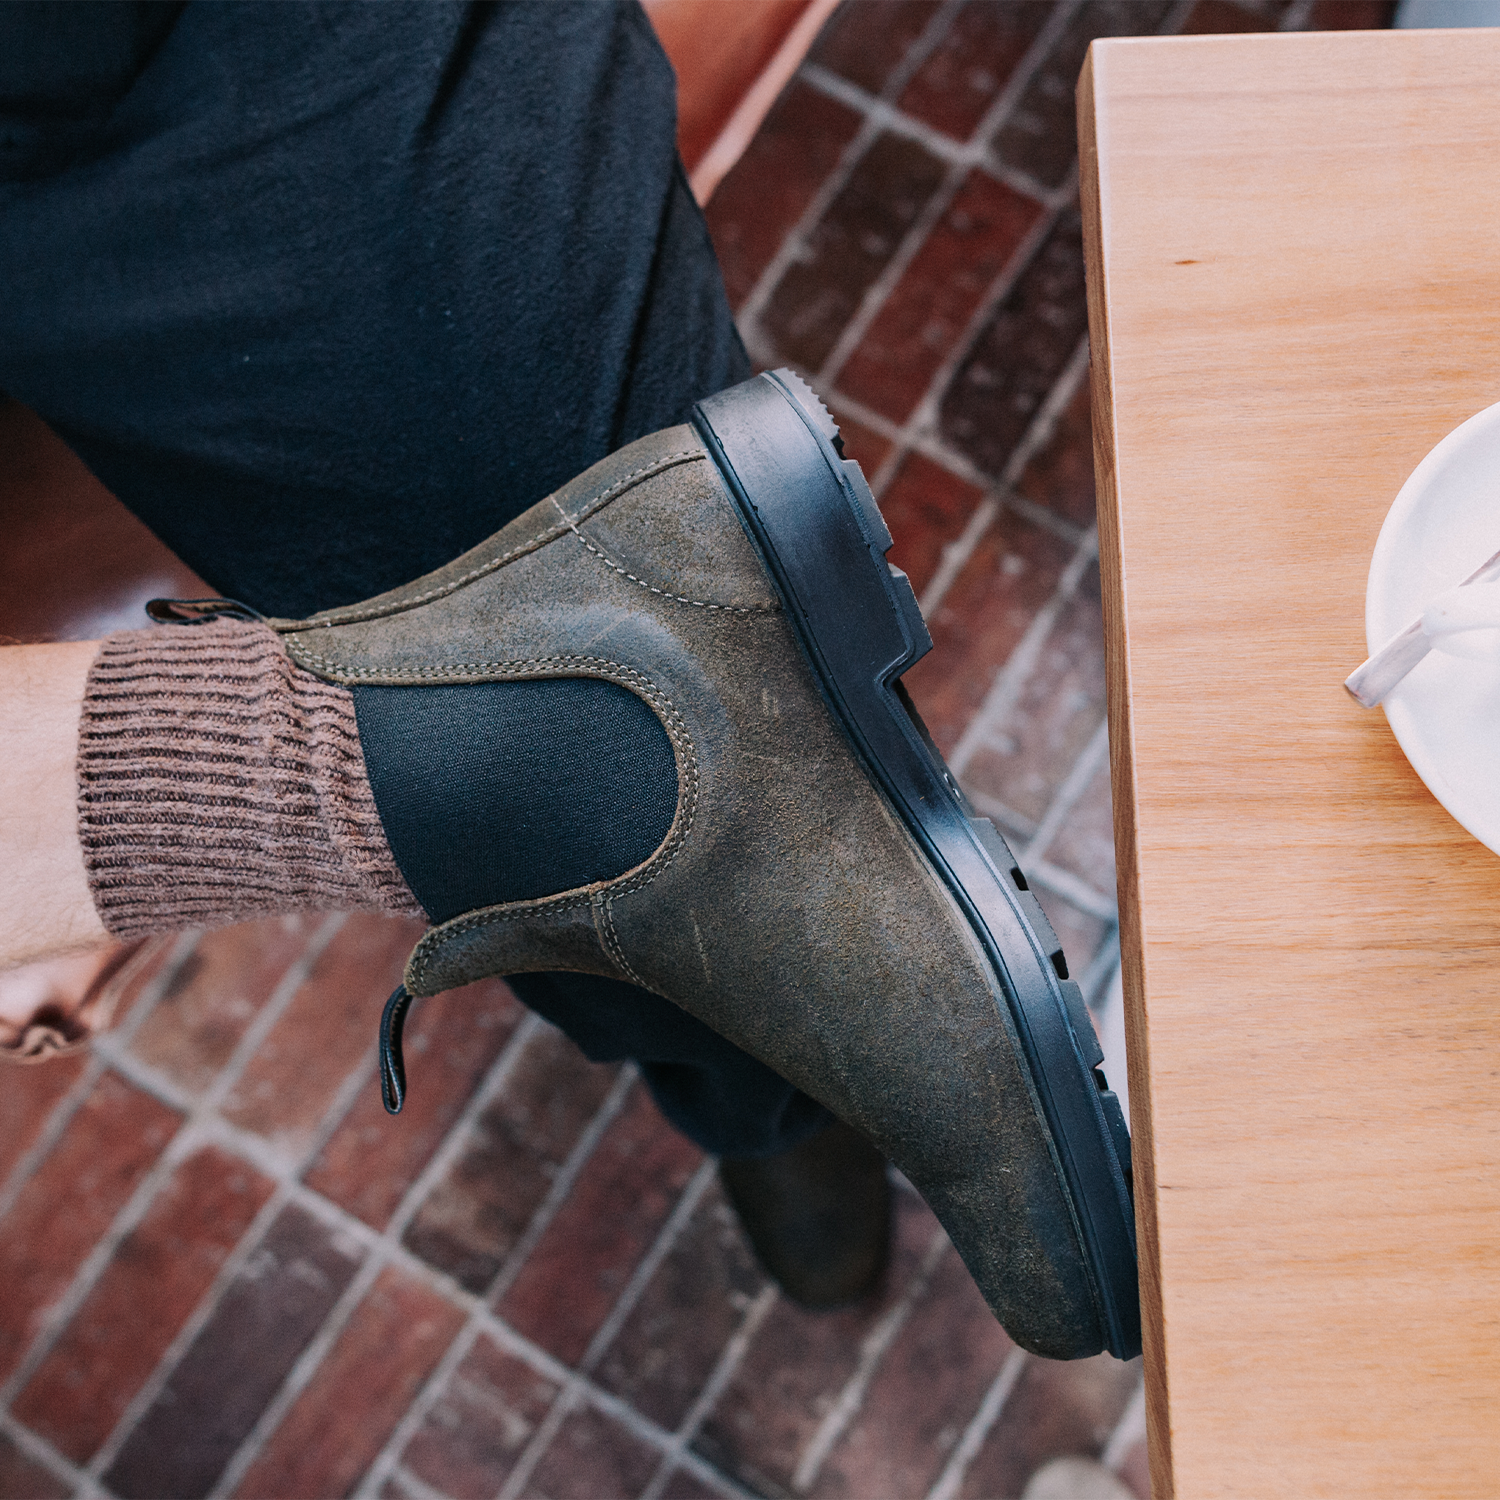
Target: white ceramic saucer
column 1446, row 713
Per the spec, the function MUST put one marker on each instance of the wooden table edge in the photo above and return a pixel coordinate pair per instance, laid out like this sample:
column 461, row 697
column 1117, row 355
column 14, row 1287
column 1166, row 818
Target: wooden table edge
column 1122, row 783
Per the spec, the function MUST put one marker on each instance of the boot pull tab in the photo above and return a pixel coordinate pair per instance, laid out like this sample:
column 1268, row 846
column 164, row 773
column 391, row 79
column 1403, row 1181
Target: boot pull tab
column 195, row 611
column 392, row 1064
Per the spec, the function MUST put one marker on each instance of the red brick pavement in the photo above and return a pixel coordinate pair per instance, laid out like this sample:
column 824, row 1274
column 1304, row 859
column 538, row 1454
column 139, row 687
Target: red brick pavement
column 227, row 1272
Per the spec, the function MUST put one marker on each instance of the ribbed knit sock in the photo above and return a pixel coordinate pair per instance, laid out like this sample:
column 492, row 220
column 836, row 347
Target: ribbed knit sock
column 219, row 781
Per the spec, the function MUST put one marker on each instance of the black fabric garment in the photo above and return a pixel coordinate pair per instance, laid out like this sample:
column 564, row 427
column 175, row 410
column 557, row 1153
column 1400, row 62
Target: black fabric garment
column 327, row 293
column 717, row 1095
column 505, row 791
column 330, row 292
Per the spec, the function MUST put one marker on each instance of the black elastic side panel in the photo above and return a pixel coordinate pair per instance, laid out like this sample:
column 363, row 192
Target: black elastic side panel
column 506, row 791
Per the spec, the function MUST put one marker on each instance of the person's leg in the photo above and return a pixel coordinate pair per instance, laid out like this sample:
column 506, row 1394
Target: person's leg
column 343, row 265
column 821, row 895
column 813, row 887
column 219, row 781
column 45, row 905
column 383, row 284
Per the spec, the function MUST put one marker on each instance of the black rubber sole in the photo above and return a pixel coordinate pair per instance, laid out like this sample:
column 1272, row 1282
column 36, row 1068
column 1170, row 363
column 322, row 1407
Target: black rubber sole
column 812, row 517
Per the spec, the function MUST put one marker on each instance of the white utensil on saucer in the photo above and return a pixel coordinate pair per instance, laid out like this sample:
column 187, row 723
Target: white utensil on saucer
column 1445, row 710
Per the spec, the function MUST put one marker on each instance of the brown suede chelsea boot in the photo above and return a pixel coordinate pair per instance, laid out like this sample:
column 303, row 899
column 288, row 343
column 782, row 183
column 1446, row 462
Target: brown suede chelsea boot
column 821, row 894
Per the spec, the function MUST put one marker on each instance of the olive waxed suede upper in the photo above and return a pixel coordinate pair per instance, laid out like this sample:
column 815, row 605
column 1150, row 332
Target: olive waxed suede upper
column 787, row 907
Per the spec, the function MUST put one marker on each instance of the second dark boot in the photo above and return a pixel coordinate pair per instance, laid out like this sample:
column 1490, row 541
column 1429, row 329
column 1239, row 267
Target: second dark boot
column 817, row 1216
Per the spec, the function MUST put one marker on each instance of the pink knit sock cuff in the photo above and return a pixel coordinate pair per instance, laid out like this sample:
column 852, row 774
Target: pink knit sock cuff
column 218, row 781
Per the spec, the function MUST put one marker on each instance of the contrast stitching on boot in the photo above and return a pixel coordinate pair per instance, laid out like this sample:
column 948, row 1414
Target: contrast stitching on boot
column 450, row 671
column 604, row 497
column 635, row 880
column 612, row 941
column 609, row 562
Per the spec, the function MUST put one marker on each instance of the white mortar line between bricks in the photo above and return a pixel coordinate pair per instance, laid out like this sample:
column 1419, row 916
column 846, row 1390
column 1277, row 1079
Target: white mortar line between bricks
column 872, row 1350
column 1027, row 186
column 564, row 1403
column 494, row 1083
column 186, row 1139
column 1055, row 403
column 562, row 1184
column 274, row 1162
column 931, row 446
column 53, row 1129
column 1016, row 827
column 706, row 1474
column 387, row 1461
column 968, row 155
column 948, row 1482
column 1011, row 679
column 1101, row 962
column 1065, row 799
column 608, row 1404
column 793, row 247
column 723, row 1372
column 340, row 1222
column 1071, row 888
column 267, row 1154
column 1129, row 1430
column 957, row 553
column 928, row 40
column 114, row 1047
column 878, row 293
column 924, row 416
column 793, row 243
column 414, row 1487
column 41, row 1452
column 62, row 1113
column 975, row 151
column 963, row 156
column 1094, row 979
column 146, row 1077
column 926, row 413
column 954, row 556
column 140, row 1403
column 566, row 1400
column 688, row 1462
column 477, row 1309
column 303, row 1369
column 381, row 1251
column 666, row 1239
column 884, row 115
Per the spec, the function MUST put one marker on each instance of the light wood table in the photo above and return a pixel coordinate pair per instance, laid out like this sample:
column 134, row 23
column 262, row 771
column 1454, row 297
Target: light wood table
column 1294, row 262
